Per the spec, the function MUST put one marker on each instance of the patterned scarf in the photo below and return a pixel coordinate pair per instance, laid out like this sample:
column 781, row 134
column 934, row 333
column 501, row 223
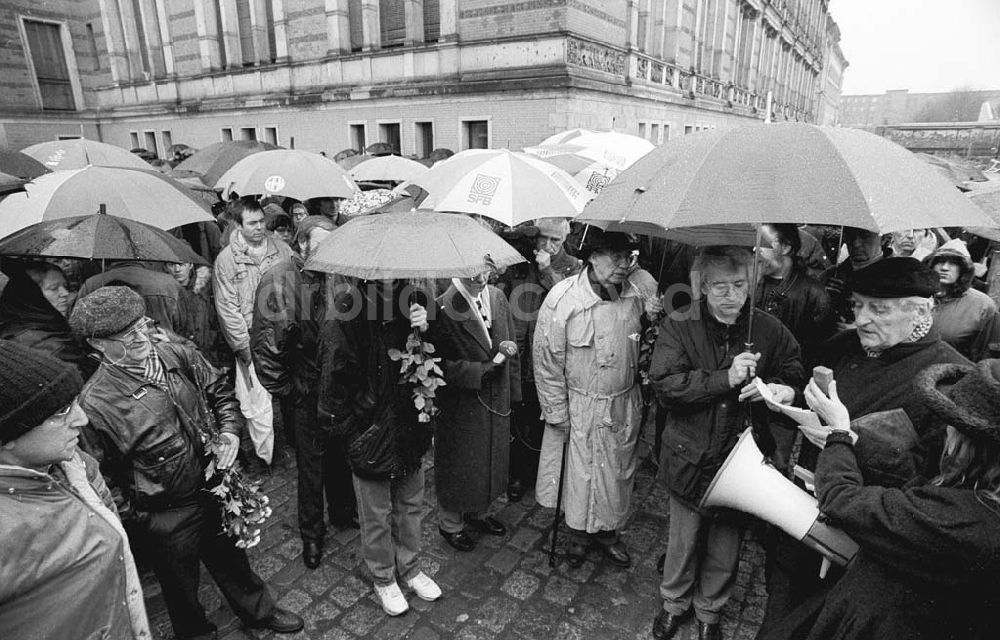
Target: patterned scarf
column 919, row 332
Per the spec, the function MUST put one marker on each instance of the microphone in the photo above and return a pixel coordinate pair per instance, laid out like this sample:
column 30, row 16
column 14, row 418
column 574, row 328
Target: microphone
column 507, row 349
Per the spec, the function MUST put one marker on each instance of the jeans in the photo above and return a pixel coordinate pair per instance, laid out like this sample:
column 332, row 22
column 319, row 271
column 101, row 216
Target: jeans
column 701, row 562
column 389, row 513
column 176, row 541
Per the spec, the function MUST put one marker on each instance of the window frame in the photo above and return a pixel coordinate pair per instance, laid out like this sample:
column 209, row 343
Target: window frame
column 464, row 134
column 66, row 39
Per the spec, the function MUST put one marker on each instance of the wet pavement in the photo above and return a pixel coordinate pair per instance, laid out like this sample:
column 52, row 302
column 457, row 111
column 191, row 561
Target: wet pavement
column 503, row 589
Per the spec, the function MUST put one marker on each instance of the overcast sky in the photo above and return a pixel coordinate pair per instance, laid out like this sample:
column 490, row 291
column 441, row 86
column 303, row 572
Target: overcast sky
column 920, row 45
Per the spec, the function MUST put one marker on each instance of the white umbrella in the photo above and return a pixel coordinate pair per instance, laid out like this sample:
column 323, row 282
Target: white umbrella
column 507, row 186
column 618, row 150
column 287, row 172
column 144, row 195
column 387, row 169
column 60, row 155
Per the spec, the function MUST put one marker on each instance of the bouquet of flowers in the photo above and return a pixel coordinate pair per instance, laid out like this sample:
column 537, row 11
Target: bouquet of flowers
column 419, row 368
column 244, row 507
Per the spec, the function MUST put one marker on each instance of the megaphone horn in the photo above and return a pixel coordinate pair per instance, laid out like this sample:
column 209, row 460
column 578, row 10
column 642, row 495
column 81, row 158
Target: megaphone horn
column 748, row 483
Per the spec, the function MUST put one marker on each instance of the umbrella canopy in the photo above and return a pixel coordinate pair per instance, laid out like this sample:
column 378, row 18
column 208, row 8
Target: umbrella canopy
column 20, row 165
column 145, row 195
column 620, row 150
column 594, row 175
column 785, row 173
column 60, row 155
column 287, row 172
column 387, row 169
column 16, row 169
column 365, row 202
column 412, row 244
column 379, row 149
column 349, row 162
column 986, row 196
column 98, row 237
column 507, row 186
column 208, row 164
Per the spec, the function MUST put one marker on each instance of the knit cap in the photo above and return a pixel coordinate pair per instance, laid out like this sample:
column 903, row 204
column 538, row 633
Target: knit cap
column 33, row 387
column 106, row 311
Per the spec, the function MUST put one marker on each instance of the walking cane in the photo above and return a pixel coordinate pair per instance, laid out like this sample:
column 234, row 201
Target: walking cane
column 559, row 494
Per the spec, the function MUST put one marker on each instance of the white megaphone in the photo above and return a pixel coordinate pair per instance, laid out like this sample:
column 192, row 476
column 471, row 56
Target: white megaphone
column 746, row 482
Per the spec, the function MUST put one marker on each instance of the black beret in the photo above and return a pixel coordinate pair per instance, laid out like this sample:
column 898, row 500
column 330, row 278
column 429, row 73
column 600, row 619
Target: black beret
column 895, row 278
column 599, row 241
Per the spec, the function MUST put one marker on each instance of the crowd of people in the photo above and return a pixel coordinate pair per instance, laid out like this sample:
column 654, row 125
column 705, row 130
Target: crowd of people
column 110, row 379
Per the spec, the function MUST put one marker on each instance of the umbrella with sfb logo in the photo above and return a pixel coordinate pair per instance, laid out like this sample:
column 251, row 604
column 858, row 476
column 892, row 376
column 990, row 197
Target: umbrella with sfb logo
column 507, row 186
column 287, row 172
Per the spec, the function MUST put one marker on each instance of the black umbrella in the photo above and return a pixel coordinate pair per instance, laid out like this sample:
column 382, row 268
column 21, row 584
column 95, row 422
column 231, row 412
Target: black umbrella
column 100, row 237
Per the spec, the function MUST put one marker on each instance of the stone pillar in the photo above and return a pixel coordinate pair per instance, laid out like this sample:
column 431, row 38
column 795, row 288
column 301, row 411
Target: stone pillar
column 129, row 21
column 280, row 30
column 414, row 11
column 338, row 27
column 371, row 29
column 165, row 40
column 230, row 30
column 114, row 40
column 449, row 20
column 208, row 44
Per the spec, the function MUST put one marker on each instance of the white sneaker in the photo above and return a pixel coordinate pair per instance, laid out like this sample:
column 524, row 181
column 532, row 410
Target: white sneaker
column 425, row 588
column 392, row 599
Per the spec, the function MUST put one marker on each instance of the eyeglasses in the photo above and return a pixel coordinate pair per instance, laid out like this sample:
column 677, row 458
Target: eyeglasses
column 136, row 334
column 725, row 288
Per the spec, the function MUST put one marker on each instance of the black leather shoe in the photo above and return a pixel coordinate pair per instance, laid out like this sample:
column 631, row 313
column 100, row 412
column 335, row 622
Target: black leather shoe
column 461, row 540
column 312, row 553
column 576, row 553
column 488, row 525
column 665, row 625
column 515, row 490
column 617, row 554
column 709, row 631
column 281, row 621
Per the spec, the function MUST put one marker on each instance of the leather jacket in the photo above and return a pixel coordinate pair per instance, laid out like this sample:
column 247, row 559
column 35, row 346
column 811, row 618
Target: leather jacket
column 147, row 438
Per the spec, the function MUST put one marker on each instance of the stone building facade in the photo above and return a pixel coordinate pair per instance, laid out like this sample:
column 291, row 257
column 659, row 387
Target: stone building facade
column 326, row 75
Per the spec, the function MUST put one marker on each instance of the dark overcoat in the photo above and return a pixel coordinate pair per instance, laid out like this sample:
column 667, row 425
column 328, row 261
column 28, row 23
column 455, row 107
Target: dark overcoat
column 472, row 440
column 929, row 563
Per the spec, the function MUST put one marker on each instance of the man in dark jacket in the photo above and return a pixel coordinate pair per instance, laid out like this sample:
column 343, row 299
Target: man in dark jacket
column 527, row 286
column 473, row 431
column 874, row 366
column 29, row 318
column 284, row 341
column 148, row 408
column 864, row 248
column 362, row 400
column 701, row 368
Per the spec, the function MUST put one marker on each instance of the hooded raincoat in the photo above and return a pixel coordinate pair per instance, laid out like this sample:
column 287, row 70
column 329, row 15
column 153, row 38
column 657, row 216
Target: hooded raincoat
column 586, row 353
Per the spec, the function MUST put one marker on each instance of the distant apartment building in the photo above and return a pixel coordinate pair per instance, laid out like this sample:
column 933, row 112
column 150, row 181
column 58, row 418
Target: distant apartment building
column 326, row 75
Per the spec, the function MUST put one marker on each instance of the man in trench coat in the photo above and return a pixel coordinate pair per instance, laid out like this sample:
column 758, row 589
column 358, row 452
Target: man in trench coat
column 586, row 353
column 472, row 440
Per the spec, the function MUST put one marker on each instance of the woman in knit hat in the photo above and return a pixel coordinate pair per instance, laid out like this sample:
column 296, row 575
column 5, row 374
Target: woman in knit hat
column 929, row 564
column 66, row 570
column 966, row 318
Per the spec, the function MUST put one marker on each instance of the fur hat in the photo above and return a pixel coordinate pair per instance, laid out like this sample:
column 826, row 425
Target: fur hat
column 106, row 311
column 33, row 387
column 599, row 241
column 965, row 396
column 895, row 278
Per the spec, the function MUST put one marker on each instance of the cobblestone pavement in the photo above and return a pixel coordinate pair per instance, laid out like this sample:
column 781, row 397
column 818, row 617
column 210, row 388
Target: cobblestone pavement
column 504, row 589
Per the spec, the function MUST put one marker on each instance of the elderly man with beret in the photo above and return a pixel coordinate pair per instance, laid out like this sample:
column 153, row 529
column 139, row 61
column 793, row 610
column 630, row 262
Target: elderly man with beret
column 148, row 405
column 66, row 570
column 875, row 365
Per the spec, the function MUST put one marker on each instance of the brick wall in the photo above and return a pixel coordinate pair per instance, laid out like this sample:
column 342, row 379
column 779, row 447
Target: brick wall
column 598, row 19
column 488, row 19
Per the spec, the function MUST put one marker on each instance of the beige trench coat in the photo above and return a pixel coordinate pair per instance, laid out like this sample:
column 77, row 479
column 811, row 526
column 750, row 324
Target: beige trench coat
column 586, row 354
